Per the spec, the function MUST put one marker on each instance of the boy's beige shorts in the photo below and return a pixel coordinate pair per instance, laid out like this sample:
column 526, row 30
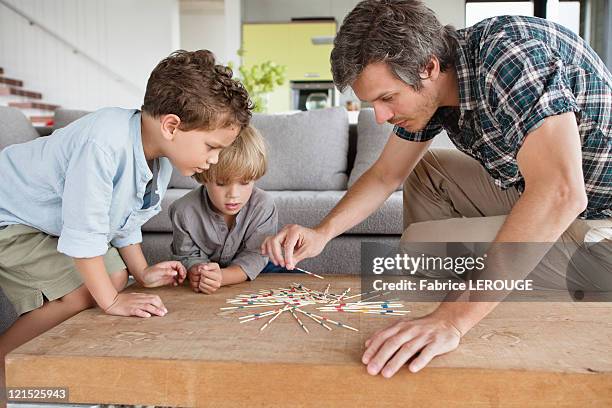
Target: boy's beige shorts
column 31, row 269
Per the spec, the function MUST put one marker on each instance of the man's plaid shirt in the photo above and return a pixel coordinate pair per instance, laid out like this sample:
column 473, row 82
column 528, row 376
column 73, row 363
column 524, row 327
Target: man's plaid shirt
column 513, row 72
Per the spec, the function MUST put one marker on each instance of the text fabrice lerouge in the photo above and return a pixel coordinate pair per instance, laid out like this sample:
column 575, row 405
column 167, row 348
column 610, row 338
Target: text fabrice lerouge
column 451, row 285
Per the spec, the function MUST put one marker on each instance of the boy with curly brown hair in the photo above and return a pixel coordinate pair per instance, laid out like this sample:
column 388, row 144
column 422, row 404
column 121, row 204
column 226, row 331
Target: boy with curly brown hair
column 72, row 204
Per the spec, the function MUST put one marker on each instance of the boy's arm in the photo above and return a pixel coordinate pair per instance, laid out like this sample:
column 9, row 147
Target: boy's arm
column 248, row 262
column 295, row 242
column 97, row 281
column 265, row 223
column 160, row 274
column 184, row 249
column 232, row 274
column 86, row 203
column 134, row 260
column 213, row 277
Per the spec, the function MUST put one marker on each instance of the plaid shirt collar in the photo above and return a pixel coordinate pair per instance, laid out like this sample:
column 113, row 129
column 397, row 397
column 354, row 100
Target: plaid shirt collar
column 466, row 78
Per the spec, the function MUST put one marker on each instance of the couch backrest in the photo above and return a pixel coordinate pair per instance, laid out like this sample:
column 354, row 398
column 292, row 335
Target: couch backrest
column 63, row 117
column 8, row 315
column 306, row 150
column 15, row 127
column 370, row 142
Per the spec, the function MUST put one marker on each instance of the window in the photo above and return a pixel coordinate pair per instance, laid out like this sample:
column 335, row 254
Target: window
column 566, row 13
column 478, row 11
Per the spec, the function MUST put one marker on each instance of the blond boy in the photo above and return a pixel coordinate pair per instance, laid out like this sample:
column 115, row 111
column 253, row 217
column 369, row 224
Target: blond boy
column 219, row 227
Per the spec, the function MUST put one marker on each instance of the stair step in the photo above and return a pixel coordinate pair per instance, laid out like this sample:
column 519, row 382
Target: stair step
column 10, row 81
column 44, row 120
column 9, row 90
column 33, row 105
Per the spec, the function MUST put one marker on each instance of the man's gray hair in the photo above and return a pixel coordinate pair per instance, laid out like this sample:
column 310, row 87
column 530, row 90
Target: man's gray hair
column 404, row 34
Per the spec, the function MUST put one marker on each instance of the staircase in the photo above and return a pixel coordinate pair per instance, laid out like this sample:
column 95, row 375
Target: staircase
column 29, row 102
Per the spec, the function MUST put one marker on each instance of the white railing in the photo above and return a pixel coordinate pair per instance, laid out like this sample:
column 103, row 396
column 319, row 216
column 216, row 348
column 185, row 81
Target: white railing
column 74, row 49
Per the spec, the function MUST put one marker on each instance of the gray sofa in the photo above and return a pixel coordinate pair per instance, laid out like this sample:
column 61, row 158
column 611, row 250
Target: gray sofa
column 313, row 158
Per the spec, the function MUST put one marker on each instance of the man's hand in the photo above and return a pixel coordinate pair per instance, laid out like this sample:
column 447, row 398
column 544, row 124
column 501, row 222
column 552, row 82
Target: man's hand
column 162, row 274
column 211, row 277
column 136, row 304
column 296, row 243
column 389, row 349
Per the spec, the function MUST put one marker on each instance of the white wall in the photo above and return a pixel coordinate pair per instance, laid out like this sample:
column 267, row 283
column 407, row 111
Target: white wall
column 254, row 11
column 233, row 31
column 128, row 36
column 212, row 25
column 203, row 26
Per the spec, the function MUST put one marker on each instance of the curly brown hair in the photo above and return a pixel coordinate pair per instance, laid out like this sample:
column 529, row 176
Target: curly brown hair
column 191, row 85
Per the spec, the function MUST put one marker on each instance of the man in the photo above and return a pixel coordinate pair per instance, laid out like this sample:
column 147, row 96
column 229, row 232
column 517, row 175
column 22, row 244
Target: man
column 528, row 105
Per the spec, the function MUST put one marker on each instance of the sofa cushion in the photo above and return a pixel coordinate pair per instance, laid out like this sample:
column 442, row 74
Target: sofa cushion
column 8, row 315
column 15, row 127
column 306, row 150
column 161, row 222
column 371, row 139
column 64, row 117
column 306, row 208
column 179, row 181
column 341, row 255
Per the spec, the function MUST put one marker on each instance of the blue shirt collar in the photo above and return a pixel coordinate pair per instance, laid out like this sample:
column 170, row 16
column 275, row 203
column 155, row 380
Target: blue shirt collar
column 144, row 173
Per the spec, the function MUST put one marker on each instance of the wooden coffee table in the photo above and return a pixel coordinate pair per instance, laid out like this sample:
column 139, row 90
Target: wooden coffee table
column 522, row 354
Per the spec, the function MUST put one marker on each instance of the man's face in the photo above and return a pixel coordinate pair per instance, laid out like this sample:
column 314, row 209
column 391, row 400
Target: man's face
column 393, row 100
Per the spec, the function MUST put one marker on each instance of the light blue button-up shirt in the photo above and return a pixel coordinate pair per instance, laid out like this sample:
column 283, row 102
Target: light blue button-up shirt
column 84, row 183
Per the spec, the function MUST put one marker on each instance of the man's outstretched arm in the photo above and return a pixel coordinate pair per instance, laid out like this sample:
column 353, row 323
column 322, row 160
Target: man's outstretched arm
column 550, row 161
column 295, row 242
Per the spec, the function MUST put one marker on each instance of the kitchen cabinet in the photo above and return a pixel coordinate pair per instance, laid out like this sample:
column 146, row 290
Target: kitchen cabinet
column 290, row 44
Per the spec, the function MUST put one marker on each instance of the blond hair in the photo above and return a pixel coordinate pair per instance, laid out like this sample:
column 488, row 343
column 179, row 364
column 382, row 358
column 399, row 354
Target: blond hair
column 244, row 160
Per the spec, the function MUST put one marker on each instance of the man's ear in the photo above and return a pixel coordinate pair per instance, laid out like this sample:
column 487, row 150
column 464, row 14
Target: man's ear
column 432, row 69
column 168, row 125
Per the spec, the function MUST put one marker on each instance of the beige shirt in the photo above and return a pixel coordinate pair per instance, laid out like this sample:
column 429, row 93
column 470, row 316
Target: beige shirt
column 200, row 234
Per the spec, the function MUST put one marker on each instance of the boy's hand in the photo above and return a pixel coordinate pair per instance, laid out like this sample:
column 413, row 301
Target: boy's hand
column 211, row 277
column 164, row 273
column 194, row 275
column 137, row 304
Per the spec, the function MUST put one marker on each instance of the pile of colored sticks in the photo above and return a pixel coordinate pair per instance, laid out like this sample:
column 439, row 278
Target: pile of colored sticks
column 294, row 299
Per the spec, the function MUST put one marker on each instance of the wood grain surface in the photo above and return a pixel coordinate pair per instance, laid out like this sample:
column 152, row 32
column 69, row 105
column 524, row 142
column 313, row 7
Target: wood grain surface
column 522, row 354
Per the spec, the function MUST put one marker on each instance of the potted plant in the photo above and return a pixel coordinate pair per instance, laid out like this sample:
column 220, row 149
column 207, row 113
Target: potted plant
column 261, row 79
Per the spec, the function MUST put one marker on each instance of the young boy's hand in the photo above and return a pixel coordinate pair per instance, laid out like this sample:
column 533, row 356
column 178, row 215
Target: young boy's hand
column 211, row 277
column 193, row 274
column 137, row 304
column 164, row 273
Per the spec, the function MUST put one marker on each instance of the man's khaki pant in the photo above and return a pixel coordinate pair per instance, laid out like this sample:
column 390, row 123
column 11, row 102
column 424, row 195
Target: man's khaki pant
column 449, row 197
